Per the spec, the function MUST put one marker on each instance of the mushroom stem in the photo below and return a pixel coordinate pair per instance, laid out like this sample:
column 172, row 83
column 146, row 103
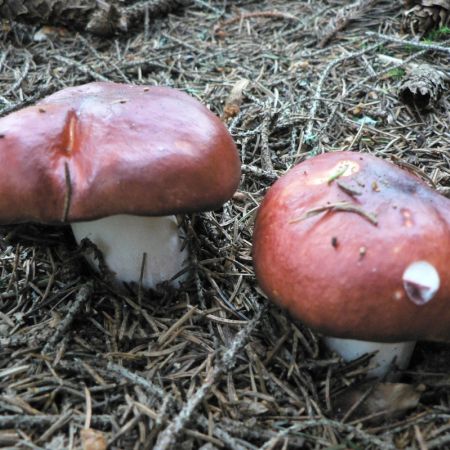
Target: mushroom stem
column 123, row 240
column 398, row 353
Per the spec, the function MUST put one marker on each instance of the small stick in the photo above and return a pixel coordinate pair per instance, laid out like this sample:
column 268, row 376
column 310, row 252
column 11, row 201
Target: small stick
column 333, row 424
column 81, row 67
column 317, row 94
column 345, row 15
column 87, row 421
column 59, row 423
column 266, row 160
column 384, row 37
column 81, row 298
column 260, row 173
column 45, row 420
column 348, row 189
column 169, row 435
column 138, row 380
column 269, row 14
column 169, row 401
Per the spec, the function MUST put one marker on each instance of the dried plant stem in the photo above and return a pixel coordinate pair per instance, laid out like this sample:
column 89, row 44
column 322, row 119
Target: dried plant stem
column 338, row 206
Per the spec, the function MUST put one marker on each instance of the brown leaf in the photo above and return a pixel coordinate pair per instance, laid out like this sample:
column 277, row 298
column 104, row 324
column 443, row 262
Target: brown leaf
column 381, row 400
column 93, row 439
column 234, row 100
column 251, row 408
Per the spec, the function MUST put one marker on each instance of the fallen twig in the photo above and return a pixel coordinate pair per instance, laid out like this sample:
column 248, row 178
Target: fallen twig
column 81, row 298
column 243, row 16
column 316, row 99
column 421, row 45
column 168, row 437
column 343, row 17
column 169, row 401
column 45, row 420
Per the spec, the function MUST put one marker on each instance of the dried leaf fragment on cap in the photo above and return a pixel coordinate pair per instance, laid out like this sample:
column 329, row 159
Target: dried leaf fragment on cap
column 423, row 87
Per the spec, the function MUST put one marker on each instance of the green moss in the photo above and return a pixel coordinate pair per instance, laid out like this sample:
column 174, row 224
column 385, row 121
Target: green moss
column 437, row 35
column 397, row 73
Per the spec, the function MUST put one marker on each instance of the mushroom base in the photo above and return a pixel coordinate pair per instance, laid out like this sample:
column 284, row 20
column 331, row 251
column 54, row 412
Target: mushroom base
column 123, row 240
column 398, row 353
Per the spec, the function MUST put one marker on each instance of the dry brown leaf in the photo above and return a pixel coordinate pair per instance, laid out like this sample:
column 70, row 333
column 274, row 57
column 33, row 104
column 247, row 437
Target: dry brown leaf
column 381, row 400
column 93, row 439
column 234, row 100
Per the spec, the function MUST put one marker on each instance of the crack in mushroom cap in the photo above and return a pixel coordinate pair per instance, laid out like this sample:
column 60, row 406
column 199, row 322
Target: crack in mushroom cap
column 316, row 253
column 105, row 148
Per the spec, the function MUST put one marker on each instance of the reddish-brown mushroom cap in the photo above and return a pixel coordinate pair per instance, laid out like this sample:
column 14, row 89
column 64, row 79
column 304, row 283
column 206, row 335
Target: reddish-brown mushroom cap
column 334, row 237
column 103, row 148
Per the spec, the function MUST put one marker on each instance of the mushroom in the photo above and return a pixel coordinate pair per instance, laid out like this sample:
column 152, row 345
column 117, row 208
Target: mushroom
column 359, row 250
column 117, row 162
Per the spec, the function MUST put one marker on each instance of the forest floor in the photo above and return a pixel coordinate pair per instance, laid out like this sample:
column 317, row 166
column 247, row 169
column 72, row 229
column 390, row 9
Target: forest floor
column 214, row 364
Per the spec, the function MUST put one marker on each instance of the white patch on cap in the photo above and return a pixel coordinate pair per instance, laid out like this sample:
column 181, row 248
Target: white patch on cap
column 421, row 281
column 343, row 168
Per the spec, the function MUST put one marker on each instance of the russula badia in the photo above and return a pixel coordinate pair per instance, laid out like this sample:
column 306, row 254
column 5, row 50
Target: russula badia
column 358, row 249
column 117, row 162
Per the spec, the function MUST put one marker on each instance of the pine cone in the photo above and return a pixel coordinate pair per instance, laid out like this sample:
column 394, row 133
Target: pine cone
column 423, row 87
column 421, row 16
column 102, row 17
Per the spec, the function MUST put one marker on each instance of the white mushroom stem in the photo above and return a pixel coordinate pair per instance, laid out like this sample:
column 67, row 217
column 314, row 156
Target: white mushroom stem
column 398, row 354
column 123, row 240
